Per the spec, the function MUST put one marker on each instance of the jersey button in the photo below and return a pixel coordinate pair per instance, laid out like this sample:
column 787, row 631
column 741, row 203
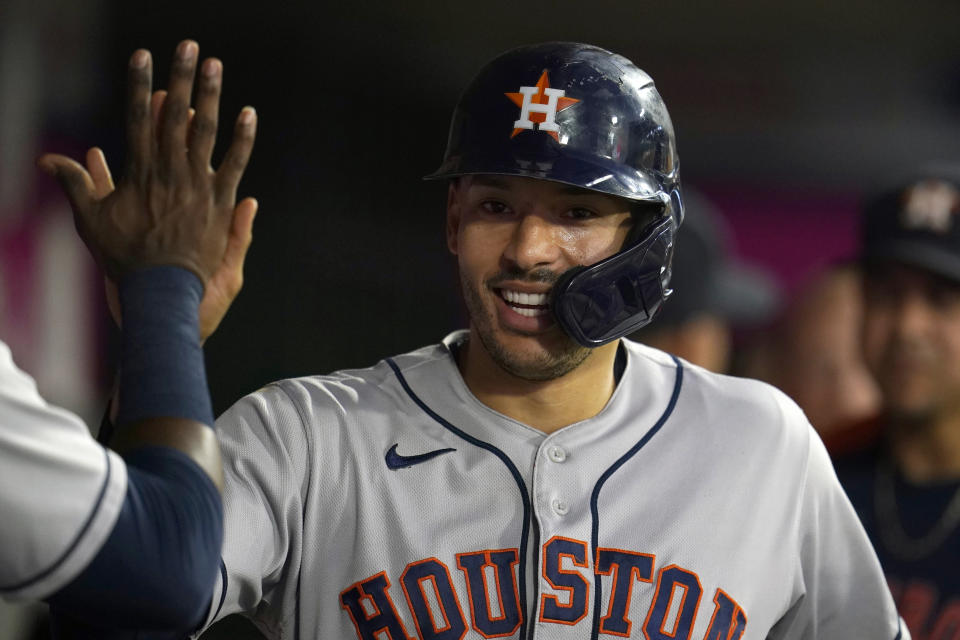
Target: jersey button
column 560, row 506
column 557, row 454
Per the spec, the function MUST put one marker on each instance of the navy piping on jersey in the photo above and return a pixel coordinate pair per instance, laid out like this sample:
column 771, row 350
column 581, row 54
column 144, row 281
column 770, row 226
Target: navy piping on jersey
column 506, row 461
column 76, row 540
column 595, row 497
column 223, row 589
column 535, row 604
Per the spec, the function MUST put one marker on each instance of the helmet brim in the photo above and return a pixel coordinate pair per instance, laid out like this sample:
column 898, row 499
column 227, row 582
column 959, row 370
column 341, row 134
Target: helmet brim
column 570, row 169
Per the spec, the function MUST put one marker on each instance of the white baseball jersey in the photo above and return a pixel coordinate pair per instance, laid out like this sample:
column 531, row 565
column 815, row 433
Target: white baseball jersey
column 390, row 503
column 60, row 491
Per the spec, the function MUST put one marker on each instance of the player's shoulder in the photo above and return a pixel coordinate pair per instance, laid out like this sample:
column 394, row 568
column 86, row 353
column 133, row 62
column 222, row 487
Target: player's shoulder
column 700, row 383
column 739, row 404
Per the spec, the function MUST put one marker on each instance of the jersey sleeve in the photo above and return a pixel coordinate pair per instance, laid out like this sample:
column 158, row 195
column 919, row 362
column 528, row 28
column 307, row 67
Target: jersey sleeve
column 265, row 462
column 842, row 592
column 60, row 491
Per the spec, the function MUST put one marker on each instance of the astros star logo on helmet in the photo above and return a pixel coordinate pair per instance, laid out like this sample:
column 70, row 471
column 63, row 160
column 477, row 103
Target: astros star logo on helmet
column 540, row 105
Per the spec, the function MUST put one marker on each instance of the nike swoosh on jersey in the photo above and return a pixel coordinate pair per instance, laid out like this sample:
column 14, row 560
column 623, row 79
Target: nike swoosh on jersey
column 397, row 461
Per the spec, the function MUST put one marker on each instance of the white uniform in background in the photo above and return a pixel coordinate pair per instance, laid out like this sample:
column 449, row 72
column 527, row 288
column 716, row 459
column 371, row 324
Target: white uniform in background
column 390, row 503
column 60, row 491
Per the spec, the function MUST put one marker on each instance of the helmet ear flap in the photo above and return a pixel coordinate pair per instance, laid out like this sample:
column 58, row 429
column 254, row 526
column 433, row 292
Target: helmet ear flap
column 643, row 215
column 619, row 295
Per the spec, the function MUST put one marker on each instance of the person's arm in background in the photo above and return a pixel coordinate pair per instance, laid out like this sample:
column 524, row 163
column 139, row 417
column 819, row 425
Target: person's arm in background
column 170, row 227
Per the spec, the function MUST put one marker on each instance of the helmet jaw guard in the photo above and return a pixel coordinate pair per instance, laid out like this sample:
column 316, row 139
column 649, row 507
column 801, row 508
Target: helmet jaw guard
column 595, row 121
column 618, row 295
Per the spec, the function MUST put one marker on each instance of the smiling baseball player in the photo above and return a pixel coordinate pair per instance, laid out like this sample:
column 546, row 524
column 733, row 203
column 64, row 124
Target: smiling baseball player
column 537, row 476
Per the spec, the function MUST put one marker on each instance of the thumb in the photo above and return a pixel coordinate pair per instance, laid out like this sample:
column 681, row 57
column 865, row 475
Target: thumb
column 241, row 234
column 74, row 180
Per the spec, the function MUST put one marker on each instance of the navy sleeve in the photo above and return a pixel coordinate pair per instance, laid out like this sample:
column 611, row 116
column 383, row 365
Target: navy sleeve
column 157, row 569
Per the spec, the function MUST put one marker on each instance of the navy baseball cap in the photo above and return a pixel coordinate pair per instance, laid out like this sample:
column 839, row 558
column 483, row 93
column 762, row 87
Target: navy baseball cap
column 916, row 224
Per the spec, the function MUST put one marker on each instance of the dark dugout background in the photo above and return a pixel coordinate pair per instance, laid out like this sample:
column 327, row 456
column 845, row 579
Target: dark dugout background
column 349, row 262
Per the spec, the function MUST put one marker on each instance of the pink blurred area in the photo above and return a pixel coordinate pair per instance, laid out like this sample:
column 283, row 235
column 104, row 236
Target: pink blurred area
column 50, row 312
column 792, row 232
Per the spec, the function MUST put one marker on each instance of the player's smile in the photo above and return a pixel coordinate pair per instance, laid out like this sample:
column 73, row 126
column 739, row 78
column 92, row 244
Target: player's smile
column 523, row 311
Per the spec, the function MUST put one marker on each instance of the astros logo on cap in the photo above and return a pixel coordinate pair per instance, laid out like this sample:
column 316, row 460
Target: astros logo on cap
column 930, row 205
column 540, row 104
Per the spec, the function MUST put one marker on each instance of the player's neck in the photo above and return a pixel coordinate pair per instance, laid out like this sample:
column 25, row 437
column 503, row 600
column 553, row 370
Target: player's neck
column 546, row 405
column 927, row 452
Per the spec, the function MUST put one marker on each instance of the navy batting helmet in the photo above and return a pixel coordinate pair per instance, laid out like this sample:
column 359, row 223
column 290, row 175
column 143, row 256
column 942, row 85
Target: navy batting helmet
column 580, row 115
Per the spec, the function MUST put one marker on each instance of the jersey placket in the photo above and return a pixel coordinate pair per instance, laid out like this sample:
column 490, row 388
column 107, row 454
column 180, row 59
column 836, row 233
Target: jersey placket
column 561, row 507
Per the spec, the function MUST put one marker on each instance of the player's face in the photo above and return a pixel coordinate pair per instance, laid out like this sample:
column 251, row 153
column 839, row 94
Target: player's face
column 911, row 340
column 513, row 238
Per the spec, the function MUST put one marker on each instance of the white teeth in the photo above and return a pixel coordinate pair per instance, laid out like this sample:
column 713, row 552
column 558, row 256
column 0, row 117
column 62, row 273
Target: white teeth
column 535, row 299
column 530, row 313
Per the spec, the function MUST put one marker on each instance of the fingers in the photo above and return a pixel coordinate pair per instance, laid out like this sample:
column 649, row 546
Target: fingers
column 156, row 103
column 203, row 129
column 235, row 161
column 99, row 172
column 227, row 281
column 175, row 113
column 241, row 235
column 139, row 140
column 74, row 180
column 230, row 273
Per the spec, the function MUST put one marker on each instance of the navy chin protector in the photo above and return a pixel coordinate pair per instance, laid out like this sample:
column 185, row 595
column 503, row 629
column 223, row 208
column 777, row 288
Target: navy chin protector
column 583, row 116
column 620, row 294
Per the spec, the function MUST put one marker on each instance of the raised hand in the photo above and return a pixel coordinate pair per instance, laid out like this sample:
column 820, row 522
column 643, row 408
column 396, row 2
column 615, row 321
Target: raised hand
column 171, row 206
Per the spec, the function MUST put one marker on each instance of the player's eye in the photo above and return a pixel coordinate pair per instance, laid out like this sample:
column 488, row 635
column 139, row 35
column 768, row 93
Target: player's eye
column 581, row 213
column 495, row 207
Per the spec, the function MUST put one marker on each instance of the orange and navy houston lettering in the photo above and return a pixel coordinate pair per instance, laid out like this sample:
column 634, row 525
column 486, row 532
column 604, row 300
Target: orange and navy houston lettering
column 415, row 580
column 728, row 621
column 502, row 563
column 627, row 567
column 669, row 581
column 435, row 602
column 570, row 581
column 384, row 622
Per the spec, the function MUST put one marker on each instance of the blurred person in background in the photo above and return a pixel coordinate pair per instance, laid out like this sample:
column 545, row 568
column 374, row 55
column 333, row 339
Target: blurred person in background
column 905, row 485
column 813, row 354
column 713, row 293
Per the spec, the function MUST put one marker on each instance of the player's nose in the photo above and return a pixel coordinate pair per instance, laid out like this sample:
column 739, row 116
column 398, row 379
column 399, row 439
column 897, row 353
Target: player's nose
column 913, row 315
column 534, row 242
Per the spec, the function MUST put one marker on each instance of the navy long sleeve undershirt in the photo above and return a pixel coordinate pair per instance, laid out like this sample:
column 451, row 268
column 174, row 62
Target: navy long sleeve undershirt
column 157, row 569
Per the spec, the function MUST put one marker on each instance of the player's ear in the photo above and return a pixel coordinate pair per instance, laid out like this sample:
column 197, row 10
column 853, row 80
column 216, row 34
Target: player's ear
column 453, row 215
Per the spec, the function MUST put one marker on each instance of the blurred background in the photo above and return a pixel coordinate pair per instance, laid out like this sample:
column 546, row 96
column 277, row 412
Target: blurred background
column 786, row 114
